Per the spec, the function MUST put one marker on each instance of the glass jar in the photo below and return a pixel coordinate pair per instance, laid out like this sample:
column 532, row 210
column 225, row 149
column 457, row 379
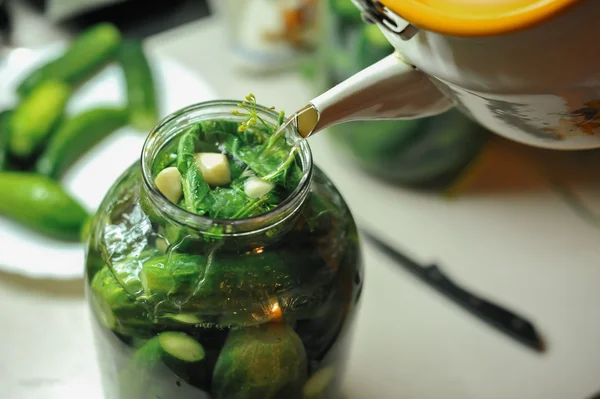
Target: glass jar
column 421, row 152
column 190, row 307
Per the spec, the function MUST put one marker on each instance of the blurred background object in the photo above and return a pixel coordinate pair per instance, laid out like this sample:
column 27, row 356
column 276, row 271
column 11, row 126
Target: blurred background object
column 269, row 35
column 36, row 23
column 57, row 10
column 263, row 35
column 5, row 25
column 62, row 106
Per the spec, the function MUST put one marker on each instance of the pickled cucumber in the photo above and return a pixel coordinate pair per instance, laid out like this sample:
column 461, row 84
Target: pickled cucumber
column 194, row 283
column 266, row 362
column 116, row 308
column 180, row 346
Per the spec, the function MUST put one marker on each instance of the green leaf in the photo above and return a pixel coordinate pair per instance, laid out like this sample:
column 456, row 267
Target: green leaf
column 226, row 202
column 255, row 207
column 212, row 128
column 195, row 188
column 253, row 148
column 164, row 161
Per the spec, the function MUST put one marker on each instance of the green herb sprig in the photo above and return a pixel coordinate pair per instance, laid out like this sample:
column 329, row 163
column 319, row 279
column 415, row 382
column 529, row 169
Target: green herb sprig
column 253, row 147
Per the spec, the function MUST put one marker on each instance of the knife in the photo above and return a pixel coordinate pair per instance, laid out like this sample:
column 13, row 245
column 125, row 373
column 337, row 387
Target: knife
column 505, row 320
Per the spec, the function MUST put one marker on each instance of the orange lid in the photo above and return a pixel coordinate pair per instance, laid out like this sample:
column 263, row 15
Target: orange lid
column 476, row 17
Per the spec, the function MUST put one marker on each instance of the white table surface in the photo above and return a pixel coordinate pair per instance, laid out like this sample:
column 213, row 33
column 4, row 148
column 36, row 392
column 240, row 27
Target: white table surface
column 410, row 342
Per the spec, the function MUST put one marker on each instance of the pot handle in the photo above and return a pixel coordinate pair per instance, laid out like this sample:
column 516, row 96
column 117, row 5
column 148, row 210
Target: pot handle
column 388, row 89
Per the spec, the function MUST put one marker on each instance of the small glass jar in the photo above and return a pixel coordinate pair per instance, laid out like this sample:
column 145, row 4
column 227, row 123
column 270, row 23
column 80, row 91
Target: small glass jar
column 423, row 152
column 190, row 307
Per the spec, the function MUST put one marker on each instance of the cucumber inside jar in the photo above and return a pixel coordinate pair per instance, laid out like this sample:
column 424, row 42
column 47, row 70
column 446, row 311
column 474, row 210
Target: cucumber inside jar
column 217, row 269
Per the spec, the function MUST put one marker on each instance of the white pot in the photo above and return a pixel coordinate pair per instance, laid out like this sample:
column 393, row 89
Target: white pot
column 538, row 85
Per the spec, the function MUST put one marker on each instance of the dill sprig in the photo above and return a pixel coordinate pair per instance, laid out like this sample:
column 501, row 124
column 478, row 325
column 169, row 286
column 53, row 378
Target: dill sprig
column 274, row 158
column 251, row 114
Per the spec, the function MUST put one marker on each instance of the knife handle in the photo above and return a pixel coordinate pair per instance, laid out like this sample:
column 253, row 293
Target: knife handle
column 503, row 318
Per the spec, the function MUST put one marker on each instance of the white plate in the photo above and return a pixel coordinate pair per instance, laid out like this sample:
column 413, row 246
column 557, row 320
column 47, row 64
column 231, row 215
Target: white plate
column 25, row 252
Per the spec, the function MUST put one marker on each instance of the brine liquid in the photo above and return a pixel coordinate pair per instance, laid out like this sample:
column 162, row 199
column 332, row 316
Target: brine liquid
column 120, row 381
column 318, row 306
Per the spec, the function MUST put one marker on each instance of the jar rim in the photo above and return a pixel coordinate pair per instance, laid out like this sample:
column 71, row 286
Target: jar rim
column 173, row 125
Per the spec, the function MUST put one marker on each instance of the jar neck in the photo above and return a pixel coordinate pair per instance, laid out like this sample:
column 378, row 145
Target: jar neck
column 172, row 127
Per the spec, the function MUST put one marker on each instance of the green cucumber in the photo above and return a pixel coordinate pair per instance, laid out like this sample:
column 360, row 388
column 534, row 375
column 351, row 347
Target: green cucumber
column 181, row 346
column 141, row 92
column 421, row 152
column 93, row 264
column 179, row 283
column 178, row 351
column 4, row 138
column 172, row 274
column 135, row 376
column 320, row 329
column 75, row 136
column 264, row 362
column 174, row 234
column 87, row 53
column 148, row 354
column 114, row 307
column 36, row 116
column 447, row 144
column 188, row 285
column 318, row 384
column 184, row 318
column 382, row 140
column 41, row 204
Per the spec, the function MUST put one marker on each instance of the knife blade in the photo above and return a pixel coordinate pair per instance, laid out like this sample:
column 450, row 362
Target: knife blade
column 507, row 321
